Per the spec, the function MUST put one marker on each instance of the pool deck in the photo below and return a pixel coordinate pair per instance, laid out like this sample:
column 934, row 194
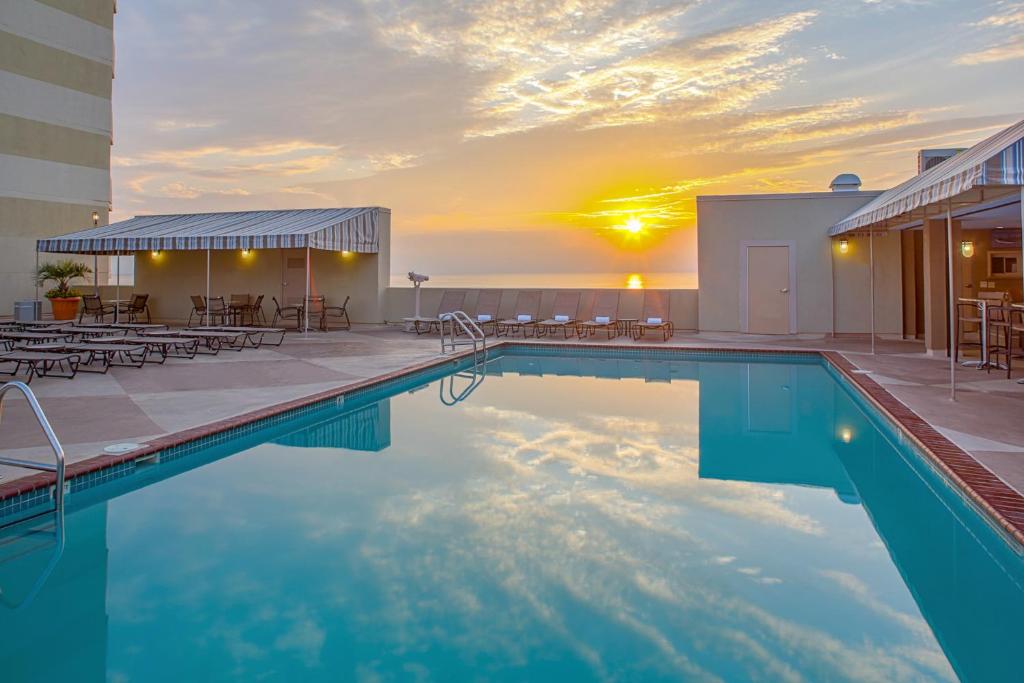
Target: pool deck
column 139, row 405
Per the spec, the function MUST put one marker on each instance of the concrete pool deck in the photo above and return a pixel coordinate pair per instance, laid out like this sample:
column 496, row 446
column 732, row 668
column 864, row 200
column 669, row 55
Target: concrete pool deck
column 137, row 405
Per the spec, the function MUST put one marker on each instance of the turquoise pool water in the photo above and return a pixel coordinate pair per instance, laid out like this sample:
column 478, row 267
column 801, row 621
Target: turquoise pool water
column 575, row 518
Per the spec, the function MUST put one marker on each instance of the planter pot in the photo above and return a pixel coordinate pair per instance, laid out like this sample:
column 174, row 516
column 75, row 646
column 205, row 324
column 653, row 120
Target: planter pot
column 65, row 308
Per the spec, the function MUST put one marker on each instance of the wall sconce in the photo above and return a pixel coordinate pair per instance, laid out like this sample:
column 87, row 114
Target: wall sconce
column 246, row 252
column 155, row 253
column 95, row 218
column 844, row 245
column 967, row 249
column 846, row 435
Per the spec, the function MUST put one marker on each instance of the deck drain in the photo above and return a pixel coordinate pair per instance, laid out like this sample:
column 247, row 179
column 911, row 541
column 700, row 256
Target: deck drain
column 118, row 448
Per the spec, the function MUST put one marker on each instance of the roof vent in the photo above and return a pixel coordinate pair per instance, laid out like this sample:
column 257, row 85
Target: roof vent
column 845, row 182
column 930, row 158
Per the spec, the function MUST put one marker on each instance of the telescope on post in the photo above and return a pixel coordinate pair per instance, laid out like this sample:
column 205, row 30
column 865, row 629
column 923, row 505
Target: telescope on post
column 417, row 280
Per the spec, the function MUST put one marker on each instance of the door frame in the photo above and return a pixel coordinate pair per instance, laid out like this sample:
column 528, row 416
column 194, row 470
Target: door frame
column 745, row 285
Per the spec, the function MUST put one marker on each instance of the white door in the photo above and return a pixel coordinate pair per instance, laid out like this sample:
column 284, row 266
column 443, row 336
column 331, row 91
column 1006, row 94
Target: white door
column 768, row 289
column 293, row 276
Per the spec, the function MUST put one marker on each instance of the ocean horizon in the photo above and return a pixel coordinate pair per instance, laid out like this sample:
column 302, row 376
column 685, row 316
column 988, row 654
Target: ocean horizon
column 608, row 280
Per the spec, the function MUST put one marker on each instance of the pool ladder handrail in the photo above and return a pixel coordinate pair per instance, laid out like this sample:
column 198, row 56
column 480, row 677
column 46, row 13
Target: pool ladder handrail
column 51, row 437
column 458, row 320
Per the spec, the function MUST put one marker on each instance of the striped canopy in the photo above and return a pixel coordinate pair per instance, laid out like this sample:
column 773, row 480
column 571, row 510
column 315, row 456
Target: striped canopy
column 997, row 161
column 327, row 229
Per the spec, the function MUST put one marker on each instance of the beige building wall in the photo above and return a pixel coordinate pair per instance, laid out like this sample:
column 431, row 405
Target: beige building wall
column 56, row 66
column 726, row 223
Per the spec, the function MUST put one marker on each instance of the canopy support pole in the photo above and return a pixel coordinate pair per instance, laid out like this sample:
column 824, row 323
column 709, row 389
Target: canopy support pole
column 871, row 261
column 117, row 290
column 1010, row 344
column 37, row 276
column 305, row 307
column 952, row 301
column 208, row 287
column 96, row 274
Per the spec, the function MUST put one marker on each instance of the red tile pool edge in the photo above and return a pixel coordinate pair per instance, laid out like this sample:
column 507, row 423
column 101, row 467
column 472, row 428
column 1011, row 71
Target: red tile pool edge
column 1001, row 502
column 995, row 497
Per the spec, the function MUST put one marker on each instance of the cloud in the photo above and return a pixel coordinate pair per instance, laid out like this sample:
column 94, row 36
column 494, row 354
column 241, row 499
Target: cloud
column 1003, row 52
column 1008, row 21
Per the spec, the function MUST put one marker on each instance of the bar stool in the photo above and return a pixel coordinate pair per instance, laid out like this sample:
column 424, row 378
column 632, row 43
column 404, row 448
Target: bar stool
column 1000, row 336
column 1016, row 330
column 967, row 313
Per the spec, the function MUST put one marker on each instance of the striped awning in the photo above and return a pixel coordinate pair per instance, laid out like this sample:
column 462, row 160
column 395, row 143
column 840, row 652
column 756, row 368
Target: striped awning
column 327, row 229
column 997, row 161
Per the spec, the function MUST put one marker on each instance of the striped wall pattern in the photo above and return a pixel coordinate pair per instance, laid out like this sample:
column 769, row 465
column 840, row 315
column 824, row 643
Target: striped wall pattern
column 998, row 160
column 355, row 229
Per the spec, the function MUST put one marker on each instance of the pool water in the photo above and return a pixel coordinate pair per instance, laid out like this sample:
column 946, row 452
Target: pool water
column 574, row 518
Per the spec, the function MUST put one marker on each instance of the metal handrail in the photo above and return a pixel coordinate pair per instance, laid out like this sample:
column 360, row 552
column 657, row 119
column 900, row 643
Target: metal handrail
column 58, row 450
column 477, row 338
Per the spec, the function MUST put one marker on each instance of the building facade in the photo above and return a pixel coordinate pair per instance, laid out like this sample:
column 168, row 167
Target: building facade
column 56, row 71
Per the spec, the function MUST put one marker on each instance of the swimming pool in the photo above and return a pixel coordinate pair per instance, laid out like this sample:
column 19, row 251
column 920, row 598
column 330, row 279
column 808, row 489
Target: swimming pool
column 616, row 515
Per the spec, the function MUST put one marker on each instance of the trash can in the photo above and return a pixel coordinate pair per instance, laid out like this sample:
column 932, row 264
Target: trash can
column 27, row 311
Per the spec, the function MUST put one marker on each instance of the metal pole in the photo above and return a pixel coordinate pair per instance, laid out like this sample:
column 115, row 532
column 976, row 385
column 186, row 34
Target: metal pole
column 305, row 306
column 95, row 259
column 871, row 259
column 37, row 281
column 207, row 286
column 117, row 290
column 1010, row 342
column 952, row 301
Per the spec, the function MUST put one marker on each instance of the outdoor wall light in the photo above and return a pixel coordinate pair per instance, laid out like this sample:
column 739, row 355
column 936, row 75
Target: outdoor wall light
column 95, row 218
column 844, row 245
column 967, row 249
column 246, row 252
column 156, row 252
column 846, row 435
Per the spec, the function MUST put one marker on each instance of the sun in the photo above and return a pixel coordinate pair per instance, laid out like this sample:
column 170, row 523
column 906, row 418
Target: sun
column 634, row 225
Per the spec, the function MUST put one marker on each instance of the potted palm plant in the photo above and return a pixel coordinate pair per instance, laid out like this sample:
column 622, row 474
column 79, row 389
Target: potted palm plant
column 64, row 299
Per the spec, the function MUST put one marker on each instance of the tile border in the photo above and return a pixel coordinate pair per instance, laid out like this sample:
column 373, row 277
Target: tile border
column 1003, row 504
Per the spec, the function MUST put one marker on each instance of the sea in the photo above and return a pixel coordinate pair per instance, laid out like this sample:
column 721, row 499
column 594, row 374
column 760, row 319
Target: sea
column 611, row 280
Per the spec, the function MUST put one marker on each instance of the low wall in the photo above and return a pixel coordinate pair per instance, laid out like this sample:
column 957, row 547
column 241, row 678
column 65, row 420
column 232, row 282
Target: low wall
column 400, row 303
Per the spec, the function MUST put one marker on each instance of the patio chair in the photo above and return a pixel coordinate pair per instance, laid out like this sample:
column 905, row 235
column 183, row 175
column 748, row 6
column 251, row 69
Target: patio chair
column 93, row 306
column 217, row 309
column 524, row 315
column 486, row 316
column 563, row 315
column 198, row 309
column 136, row 307
column 283, row 313
column 655, row 315
column 316, row 306
column 256, row 316
column 603, row 316
column 452, row 300
column 337, row 313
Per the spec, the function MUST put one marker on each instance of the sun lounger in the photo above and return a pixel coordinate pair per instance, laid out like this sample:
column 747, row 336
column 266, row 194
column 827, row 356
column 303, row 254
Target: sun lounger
column 255, row 336
column 106, row 355
column 40, row 363
column 35, row 337
column 165, row 347
column 604, row 315
column 84, row 332
column 486, row 316
column 524, row 315
column 655, row 316
column 563, row 315
column 451, row 301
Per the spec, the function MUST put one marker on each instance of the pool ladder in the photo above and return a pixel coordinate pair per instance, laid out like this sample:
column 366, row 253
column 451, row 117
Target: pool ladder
column 58, row 450
column 452, row 324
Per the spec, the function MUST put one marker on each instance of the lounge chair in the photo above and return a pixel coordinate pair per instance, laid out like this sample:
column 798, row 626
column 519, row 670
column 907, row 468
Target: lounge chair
column 452, row 300
column 256, row 316
column 487, row 304
column 198, row 309
column 283, row 313
column 563, row 315
column 655, row 316
column 604, row 315
column 41, row 363
column 137, row 306
column 94, row 307
column 524, row 315
column 338, row 313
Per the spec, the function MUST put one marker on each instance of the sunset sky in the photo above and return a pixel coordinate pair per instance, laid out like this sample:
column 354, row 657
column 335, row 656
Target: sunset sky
column 517, row 135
